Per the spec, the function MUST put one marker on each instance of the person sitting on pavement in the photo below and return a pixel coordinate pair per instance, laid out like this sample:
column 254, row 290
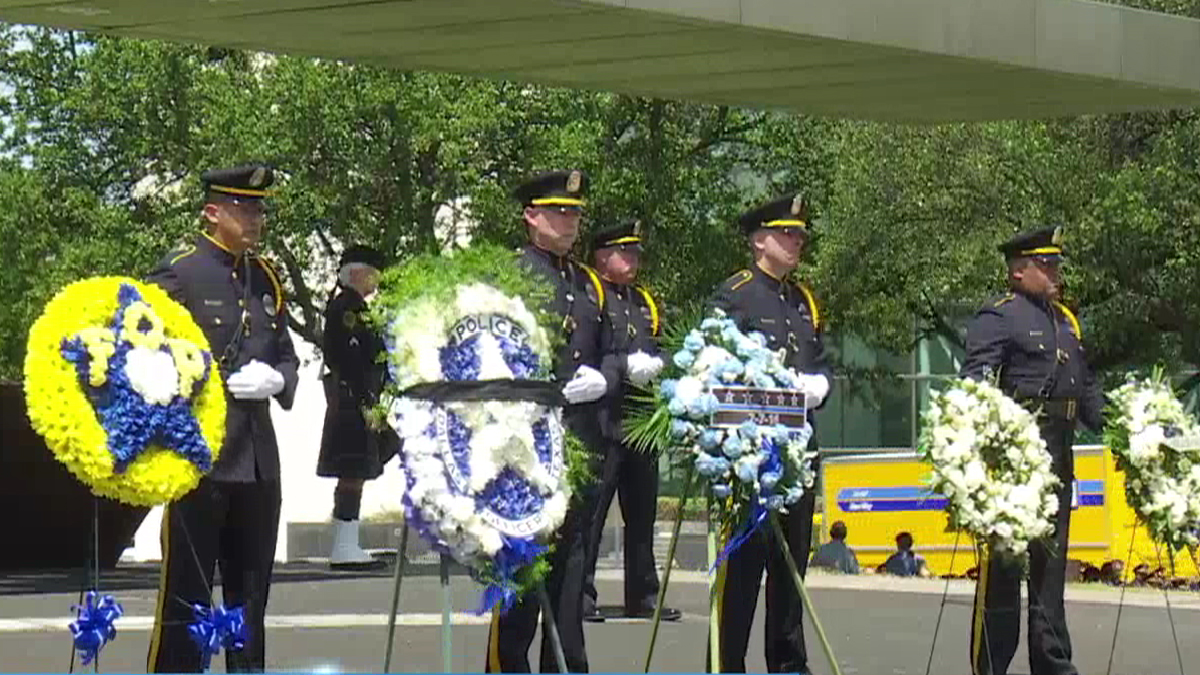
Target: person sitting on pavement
column 905, row 563
column 836, row 555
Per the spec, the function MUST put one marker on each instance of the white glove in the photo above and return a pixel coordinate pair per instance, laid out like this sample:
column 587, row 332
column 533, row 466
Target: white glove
column 588, row 384
column 642, row 367
column 816, row 388
column 255, row 380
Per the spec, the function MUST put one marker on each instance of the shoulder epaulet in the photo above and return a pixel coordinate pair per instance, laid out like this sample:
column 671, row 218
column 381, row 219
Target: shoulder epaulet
column 652, row 306
column 738, row 280
column 1007, row 297
column 595, row 282
column 1071, row 318
column 180, row 253
column 274, row 277
column 812, row 304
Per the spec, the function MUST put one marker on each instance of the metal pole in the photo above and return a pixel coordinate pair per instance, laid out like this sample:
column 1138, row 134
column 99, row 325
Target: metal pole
column 714, row 624
column 808, row 606
column 1167, row 597
column 551, row 627
column 444, row 576
column 401, row 557
column 662, row 590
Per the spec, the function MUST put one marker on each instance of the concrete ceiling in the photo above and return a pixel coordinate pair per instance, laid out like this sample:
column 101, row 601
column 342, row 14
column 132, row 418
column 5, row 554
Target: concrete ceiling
column 897, row 60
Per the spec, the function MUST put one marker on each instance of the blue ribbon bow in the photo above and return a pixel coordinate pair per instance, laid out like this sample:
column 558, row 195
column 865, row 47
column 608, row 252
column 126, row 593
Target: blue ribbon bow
column 93, row 626
column 501, row 590
column 758, row 512
column 216, row 628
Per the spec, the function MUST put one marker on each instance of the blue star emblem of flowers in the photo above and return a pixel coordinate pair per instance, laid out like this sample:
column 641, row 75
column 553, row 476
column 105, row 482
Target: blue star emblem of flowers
column 141, row 383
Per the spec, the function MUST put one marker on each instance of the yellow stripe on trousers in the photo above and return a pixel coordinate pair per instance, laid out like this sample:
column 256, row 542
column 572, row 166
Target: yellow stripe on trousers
column 494, row 643
column 160, row 609
column 977, row 640
column 720, row 591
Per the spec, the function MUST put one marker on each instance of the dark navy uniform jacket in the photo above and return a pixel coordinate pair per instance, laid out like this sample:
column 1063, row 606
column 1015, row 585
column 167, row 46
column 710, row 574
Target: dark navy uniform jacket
column 349, row 449
column 579, row 298
column 352, row 349
column 786, row 313
column 1035, row 348
column 633, row 324
column 216, row 286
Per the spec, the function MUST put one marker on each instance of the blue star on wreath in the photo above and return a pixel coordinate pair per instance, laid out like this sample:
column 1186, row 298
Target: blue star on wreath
column 131, row 423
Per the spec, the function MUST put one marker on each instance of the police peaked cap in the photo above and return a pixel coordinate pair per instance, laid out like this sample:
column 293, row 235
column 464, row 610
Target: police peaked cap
column 787, row 211
column 553, row 188
column 1045, row 242
column 248, row 180
column 627, row 233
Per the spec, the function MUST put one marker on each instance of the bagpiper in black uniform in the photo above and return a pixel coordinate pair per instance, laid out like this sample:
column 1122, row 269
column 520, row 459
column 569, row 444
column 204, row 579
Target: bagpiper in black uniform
column 232, row 517
column 552, row 202
column 355, row 377
column 630, row 352
column 763, row 299
column 1032, row 343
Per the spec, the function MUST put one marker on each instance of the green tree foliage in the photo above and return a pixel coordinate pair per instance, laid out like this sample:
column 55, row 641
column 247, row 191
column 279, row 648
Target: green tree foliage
column 106, row 137
column 103, row 140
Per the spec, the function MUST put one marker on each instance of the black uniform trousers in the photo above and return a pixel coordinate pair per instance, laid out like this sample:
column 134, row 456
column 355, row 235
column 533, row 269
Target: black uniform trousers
column 737, row 592
column 996, row 624
column 633, row 477
column 512, row 632
column 231, row 524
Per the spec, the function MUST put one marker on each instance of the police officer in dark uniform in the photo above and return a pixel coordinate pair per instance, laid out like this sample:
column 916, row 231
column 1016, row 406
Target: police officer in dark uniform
column 630, row 342
column 763, row 299
column 553, row 205
column 1030, row 341
column 350, row 451
column 232, row 517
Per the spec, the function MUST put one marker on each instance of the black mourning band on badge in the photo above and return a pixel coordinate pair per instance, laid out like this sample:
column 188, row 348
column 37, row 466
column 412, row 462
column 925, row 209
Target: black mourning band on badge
column 532, row 391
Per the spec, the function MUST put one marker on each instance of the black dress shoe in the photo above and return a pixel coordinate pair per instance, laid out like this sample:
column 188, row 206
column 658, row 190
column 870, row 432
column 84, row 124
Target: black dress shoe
column 647, row 612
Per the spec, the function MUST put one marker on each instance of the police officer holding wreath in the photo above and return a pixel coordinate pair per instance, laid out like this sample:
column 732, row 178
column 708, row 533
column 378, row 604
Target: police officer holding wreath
column 231, row 519
column 765, row 299
column 552, row 205
column 1032, row 343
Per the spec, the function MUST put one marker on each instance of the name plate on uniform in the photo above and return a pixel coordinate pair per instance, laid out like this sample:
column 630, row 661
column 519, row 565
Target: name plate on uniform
column 1189, row 444
column 736, row 405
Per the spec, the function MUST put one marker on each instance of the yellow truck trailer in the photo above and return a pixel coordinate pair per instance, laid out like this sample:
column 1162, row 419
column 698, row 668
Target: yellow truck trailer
column 881, row 493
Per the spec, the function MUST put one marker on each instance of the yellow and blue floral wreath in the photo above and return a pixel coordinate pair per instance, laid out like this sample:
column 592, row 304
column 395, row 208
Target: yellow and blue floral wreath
column 122, row 385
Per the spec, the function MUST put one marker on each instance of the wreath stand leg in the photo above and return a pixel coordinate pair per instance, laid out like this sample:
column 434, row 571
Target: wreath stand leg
column 808, row 606
column 1167, row 597
column 714, row 605
column 662, row 590
column 945, row 593
column 401, row 558
column 551, row 627
column 447, row 601
column 1121, row 602
column 96, row 562
column 91, row 568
